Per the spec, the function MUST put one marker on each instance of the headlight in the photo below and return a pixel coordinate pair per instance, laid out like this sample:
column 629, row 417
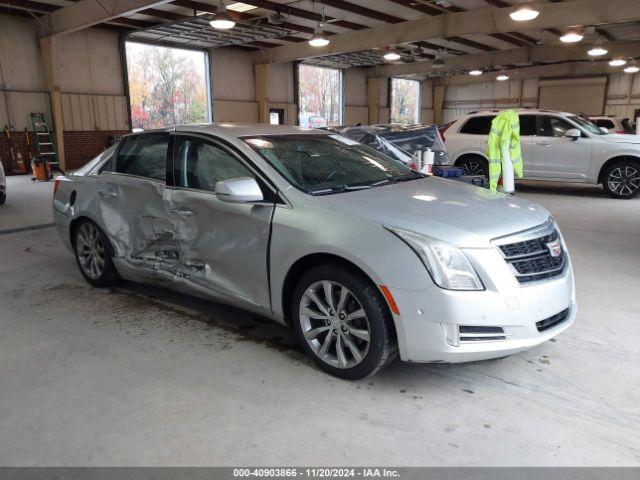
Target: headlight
column 447, row 265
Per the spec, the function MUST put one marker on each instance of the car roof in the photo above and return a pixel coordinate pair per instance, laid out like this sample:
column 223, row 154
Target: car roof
column 241, row 129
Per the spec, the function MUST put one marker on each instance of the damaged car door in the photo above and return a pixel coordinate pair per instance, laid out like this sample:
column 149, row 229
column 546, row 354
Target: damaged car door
column 222, row 247
column 133, row 210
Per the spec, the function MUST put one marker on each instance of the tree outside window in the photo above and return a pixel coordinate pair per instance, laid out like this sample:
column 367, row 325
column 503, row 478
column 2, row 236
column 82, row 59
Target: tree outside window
column 167, row 86
column 319, row 96
column 405, row 101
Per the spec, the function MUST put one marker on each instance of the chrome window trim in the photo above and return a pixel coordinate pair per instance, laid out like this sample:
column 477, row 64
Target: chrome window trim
column 139, row 177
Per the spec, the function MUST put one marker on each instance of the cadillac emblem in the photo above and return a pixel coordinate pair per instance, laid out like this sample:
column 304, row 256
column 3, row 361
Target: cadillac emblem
column 555, row 248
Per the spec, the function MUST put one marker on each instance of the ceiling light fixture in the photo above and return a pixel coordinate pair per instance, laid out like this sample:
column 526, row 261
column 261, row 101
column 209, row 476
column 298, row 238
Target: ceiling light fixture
column 222, row 19
column 438, row 63
column 632, row 67
column 524, row 12
column 502, row 77
column 617, row 62
column 241, row 7
column 475, row 72
column 597, row 50
column 318, row 39
column 392, row 55
column 572, row 35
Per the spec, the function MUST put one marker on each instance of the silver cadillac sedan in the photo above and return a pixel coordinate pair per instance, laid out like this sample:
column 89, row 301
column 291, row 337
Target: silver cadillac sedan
column 362, row 257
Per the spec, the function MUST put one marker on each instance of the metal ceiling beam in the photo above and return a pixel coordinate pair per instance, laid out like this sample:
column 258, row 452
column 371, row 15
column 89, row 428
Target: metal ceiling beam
column 515, row 56
column 567, row 69
column 383, row 17
column 519, row 40
column 484, row 21
column 88, row 13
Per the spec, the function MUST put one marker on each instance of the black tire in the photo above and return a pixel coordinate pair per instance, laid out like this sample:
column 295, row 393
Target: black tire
column 621, row 179
column 108, row 275
column 474, row 165
column 3, row 198
column 382, row 346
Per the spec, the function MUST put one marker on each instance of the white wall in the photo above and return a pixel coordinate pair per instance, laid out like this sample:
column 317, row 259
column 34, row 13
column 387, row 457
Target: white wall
column 622, row 96
column 87, row 70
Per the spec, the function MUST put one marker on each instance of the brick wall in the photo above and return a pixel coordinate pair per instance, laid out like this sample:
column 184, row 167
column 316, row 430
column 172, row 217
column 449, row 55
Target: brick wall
column 19, row 144
column 80, row 147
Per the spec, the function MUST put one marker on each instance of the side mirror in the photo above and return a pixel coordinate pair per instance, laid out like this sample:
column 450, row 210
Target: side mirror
column 604, row 129
column 573, row 133
column 239, row 190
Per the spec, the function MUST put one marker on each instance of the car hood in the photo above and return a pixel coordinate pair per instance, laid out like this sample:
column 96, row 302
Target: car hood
column 458, row 213
column 620, row 138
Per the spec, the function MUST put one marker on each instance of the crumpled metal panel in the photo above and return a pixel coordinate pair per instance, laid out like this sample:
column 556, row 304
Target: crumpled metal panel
column 222, row 247
column 399, row 141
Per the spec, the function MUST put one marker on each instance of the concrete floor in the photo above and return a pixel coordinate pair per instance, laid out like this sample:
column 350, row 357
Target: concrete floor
column 142, row 376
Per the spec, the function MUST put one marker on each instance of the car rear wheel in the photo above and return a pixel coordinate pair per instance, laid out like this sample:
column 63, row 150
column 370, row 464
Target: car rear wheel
column 622, row 179
column 342, row 322
column 474, row 165
column 94, row 255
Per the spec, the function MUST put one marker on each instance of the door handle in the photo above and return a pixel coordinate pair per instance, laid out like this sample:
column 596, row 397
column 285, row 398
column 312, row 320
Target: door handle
column 107, row 193
column 185, row 212
column 544, row 144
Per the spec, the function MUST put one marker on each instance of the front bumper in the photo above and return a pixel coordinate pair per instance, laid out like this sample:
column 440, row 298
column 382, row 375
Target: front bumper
column 426, row 314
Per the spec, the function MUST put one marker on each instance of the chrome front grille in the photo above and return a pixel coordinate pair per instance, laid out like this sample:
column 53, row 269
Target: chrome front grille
column 535, row 255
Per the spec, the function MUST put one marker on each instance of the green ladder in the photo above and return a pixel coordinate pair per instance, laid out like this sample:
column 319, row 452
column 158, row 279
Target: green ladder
column 44, row 141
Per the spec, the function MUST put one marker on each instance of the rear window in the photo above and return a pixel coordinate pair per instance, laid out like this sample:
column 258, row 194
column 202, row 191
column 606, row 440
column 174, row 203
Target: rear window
column 478, row 125
column 144, row 155
column 602, row 122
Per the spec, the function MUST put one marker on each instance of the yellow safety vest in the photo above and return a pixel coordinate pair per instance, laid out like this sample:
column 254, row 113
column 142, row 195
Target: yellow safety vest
column 505, row 133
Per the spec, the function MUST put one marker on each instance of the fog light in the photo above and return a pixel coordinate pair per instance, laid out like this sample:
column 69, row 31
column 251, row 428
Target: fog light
column 450, row 332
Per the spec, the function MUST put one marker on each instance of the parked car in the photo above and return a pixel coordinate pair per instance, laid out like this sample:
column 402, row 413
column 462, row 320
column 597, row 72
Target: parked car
column 556, row 146
column 360, row 255
column 401, row 142
column 3, row 185
column 614, row 124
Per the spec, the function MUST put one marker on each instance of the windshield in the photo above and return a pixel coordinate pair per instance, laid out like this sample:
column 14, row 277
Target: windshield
column 321, row 164
column 587, row 125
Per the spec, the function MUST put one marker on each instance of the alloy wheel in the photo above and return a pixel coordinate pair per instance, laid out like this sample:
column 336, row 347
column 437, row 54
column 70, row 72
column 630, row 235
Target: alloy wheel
column 473, row 167
column 334, row 324
column 624, row 180
column 90, row 249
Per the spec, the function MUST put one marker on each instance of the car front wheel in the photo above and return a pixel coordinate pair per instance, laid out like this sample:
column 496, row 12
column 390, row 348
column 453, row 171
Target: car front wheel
column 342, row 322
column 622, row 179
column 94, row 255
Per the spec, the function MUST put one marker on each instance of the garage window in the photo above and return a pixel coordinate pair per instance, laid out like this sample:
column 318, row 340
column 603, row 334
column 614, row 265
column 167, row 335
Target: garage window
column 320, row 98
column 405, row 101
column 167, row 86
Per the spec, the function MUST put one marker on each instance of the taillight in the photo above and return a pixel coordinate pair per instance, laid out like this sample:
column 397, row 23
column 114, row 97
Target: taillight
column 621, row 131
column 443, row 129
column 56, row 184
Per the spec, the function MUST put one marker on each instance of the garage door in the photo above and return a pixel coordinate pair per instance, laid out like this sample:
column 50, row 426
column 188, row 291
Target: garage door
column 575, row 95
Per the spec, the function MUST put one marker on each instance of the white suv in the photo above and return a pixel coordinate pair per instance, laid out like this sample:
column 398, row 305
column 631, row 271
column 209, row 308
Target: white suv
column 556, row 146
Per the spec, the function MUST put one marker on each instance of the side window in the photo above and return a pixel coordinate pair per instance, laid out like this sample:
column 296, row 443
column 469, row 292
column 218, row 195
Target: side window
column 477, row 125
column 527, row 125
column 601, row 122
column 547, row 126
column 201, row 165
column 144, row 155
